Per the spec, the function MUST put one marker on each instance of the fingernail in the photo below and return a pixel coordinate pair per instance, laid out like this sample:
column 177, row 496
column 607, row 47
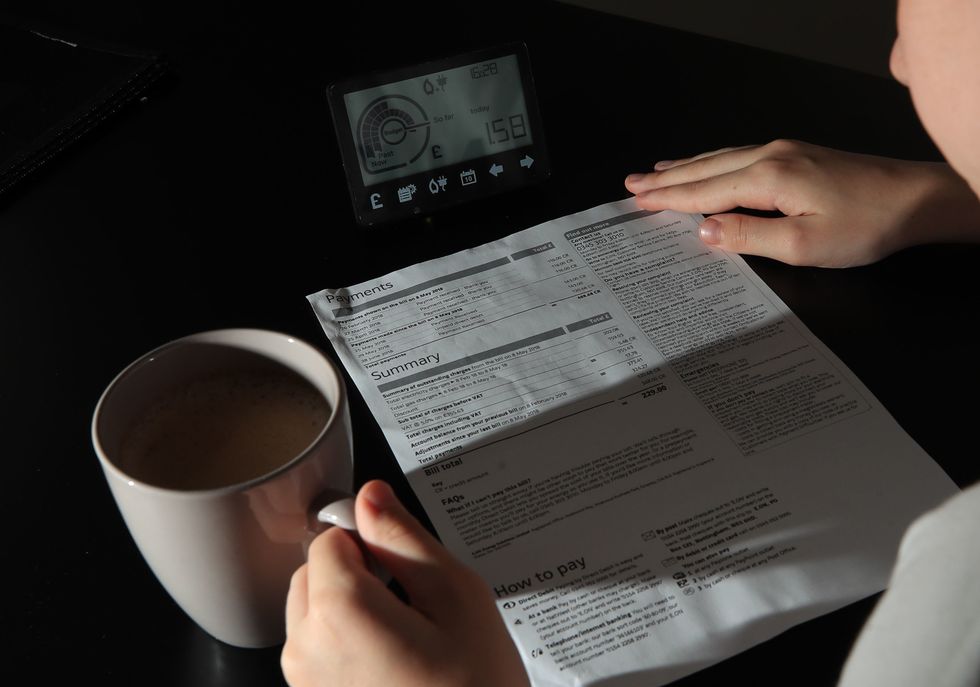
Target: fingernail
column 710, row 231
column 663, row 164
column 634, row 178
column 381, row 496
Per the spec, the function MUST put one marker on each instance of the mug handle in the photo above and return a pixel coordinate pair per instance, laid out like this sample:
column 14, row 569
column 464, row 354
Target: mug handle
column 335, row 508
column 332, row 508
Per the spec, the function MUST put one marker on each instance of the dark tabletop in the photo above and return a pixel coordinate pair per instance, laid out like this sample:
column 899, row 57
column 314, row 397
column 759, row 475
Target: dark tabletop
column 220, row 201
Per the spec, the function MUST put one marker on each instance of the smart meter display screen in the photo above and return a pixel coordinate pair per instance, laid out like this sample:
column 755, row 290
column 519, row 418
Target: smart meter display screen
column 441, row 133
column 439, row 119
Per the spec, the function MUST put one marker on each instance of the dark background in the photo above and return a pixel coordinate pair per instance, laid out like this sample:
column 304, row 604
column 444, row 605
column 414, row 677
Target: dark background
column 220, row 201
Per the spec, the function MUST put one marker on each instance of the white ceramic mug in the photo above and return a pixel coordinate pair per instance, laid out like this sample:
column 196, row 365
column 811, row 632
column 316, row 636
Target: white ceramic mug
column 226, row 554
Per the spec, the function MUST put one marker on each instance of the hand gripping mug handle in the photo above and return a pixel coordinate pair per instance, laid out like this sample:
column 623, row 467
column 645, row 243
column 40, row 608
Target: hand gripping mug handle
column 333, row 508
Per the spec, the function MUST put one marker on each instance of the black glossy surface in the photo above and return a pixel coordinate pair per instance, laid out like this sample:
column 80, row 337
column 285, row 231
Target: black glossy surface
column 220, row 201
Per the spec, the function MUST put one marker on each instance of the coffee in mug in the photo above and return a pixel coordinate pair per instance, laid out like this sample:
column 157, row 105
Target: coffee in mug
column 225, row 428
column 220, row 449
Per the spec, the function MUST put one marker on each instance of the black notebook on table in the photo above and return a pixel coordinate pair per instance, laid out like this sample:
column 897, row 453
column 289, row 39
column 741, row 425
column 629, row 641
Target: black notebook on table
column 54, row 90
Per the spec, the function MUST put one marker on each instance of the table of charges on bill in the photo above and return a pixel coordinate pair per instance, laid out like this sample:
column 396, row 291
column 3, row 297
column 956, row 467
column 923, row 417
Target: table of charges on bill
column 460, row 357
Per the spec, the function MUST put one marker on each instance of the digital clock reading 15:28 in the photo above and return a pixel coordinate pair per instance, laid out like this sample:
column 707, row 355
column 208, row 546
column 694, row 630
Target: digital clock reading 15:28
column 480, row 70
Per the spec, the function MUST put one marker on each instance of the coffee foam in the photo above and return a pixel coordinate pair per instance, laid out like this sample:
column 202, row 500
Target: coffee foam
column 225, row 428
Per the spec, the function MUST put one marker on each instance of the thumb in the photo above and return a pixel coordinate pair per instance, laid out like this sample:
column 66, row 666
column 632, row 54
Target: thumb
column 782, row 238
column 420, row 563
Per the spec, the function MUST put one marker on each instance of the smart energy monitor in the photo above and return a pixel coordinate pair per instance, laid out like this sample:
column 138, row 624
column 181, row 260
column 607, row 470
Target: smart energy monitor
column 416, row 139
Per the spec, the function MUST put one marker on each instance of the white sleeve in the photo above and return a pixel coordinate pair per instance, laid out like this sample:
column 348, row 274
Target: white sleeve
column 925, row 630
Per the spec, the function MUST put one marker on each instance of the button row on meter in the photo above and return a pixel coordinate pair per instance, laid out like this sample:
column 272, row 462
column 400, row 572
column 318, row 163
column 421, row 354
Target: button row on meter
column 440, row 184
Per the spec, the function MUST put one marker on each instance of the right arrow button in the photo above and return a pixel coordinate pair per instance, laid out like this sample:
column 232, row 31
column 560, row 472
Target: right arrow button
column 527, row 161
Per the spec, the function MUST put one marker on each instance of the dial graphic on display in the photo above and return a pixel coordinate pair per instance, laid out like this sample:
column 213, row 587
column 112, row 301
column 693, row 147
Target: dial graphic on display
column 393, row 131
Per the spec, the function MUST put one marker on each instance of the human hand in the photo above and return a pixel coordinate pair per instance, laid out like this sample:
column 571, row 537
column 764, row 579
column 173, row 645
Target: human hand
column 345, row 627
column 841, row 209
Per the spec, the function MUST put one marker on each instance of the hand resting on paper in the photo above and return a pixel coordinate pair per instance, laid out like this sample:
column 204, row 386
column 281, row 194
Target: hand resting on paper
column 841, row 209
column 345, row 627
